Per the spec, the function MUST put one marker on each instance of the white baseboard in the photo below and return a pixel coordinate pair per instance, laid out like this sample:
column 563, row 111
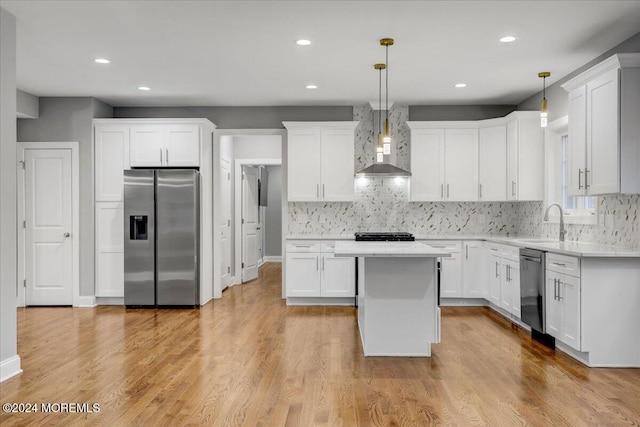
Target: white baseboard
column 9, row 368
column 463, row 302
column 344, row 301
column 89, row 301
column 272, row 259
column 109, row 300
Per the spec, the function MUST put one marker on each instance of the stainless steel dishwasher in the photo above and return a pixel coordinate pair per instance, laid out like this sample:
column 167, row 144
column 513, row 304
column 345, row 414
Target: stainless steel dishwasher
column 532, row 293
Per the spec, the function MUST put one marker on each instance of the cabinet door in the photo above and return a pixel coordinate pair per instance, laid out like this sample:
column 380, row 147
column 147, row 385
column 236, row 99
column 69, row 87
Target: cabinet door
column 337, row 166
column 569, row 296
column 338, row 276
column 506, row 291
column 303, row 165
column 512, row 160
column 577, row 156
column 451, row 276
column 303, row 275
column 109, row 249
column 427, row 165
column 514, row 283
column 461, row 164
column 603, row 134
column 494, row 279
column 182, row 145
column 492, row 163
column 473, row 270
column 110, row 142
column 552, row 306
column 146, row 146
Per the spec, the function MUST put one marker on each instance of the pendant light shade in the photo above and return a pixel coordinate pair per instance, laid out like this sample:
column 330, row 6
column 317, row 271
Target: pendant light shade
column 543, row 106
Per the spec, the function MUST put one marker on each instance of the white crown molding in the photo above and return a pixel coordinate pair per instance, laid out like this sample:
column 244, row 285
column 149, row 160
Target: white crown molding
column 320, row 125
column 380, row 105
column 620, row 60
column 196, row 121
column 475, row 124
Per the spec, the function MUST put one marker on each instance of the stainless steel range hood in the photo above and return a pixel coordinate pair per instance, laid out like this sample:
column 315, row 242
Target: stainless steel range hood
column 383, row 169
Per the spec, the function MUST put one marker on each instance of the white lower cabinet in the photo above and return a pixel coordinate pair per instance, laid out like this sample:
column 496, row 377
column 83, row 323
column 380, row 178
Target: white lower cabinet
column 563, row 308
column 450, row 267
column 473, row 269
column 312, row 270
column 504, row 277
column 109, row 249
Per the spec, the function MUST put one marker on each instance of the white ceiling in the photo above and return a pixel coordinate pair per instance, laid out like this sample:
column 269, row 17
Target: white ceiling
column 224, row 53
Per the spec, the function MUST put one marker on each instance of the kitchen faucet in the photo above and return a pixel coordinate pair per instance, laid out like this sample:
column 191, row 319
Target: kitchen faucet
column 546, row 218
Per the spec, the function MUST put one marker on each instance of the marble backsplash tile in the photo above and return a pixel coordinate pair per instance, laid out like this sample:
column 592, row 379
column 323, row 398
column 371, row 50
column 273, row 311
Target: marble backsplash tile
column 381, row 204
column 618, row 222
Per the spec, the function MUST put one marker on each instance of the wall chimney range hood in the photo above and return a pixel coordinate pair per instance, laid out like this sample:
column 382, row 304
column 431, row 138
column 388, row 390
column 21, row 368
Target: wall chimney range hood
column 382, row 170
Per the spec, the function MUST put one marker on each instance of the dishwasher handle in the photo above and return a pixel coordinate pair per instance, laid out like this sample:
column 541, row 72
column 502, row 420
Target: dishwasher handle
column 538, row 260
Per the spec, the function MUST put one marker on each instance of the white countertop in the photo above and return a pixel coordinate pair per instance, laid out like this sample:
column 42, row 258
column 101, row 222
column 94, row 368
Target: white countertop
column 388, row 250
column 573, row 248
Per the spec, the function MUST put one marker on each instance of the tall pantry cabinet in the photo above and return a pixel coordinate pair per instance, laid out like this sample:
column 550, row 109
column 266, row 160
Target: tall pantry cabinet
column 120, row 144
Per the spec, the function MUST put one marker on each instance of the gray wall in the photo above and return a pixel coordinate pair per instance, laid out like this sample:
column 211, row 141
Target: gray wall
column 27, row 105
column 241, row 117
column 557, row 98
column 458, row 112
column 8, row 236
column 69, row 119
column 273, row 213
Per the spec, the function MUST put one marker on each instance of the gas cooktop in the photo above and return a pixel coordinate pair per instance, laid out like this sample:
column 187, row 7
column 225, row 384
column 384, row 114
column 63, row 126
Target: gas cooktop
column 384, row 236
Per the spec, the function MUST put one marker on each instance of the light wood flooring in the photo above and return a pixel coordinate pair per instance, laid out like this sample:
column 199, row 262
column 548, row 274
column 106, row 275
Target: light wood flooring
column 250, row 360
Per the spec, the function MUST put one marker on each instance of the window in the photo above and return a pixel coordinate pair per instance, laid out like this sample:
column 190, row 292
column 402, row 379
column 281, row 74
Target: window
column 577, row 209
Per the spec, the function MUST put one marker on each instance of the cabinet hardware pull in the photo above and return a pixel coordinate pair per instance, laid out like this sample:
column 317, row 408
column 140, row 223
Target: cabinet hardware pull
column 586, row 178
column 318, row 191
column 317, row 267
column 559, row 264
column 447, row 191
column 322, row 263
column 302, row 246
column 161, row 155
column 166, row 156
column 480, row 190
column 496, row 268
column 559, row 296
column 555, row 289
column 323, row 191
column 467, row 250
column 513, row 188
column 442, row 191
column 579, row 179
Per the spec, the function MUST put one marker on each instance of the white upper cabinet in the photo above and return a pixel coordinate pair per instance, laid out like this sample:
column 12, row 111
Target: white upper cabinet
column 461, row 164
column 604, row 107
column 109, row 149
column 320, row 161
column 525, row 156
column 427, row 165
column 492, row 160
column 444, row 163
column 165, row 145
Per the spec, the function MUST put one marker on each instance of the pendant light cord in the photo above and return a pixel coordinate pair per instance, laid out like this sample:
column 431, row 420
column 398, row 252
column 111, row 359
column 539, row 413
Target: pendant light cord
column 386, row 74
column 380, row 101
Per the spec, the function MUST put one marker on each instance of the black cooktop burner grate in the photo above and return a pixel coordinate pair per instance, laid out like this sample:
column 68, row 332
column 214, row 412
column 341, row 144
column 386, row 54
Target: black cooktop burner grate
column 384, row 236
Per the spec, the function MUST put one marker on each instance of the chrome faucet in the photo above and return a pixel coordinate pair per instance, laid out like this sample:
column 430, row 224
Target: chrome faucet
column 563, row 231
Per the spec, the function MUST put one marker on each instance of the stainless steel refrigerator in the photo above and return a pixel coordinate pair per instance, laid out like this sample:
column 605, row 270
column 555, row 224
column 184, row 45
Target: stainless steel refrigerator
column 161, row 238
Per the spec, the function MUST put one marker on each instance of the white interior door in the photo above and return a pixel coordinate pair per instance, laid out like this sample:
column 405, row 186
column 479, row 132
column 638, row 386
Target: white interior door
column 225, row 222
column 250, row 224
column 48, row 226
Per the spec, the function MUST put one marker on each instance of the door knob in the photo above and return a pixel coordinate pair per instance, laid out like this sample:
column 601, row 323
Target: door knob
column 67, row 234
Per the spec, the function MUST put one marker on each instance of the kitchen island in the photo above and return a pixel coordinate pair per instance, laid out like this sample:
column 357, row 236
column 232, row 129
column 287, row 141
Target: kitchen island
column 398, row 313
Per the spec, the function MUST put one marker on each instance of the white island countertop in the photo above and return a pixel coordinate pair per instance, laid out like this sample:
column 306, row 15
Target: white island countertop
column 388, row 250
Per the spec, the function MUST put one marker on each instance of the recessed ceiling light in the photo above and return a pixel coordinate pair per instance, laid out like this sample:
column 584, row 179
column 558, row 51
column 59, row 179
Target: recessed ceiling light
column 303, row 42
column 144, row 88
column 508, row 39
column 102, row 60
column 312, row 87
column 461, row 85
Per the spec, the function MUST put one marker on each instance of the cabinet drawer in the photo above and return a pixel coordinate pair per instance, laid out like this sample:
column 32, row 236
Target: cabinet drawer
column 327, row 247
column 303, row 246
column 563, row 264
column 454, row 246
column 511, row 252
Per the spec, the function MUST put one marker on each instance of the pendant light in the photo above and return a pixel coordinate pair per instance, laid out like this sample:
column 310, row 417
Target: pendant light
column 380, row 147
column 386, row 139
column 543, row 107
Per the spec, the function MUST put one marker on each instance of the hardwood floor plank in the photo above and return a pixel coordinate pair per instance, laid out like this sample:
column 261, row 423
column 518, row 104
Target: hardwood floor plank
column 249, row 360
